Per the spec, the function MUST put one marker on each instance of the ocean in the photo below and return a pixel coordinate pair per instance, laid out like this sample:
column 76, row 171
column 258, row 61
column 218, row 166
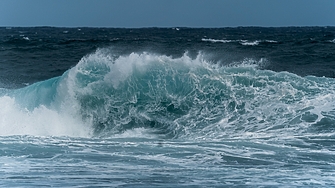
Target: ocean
column 167, row 107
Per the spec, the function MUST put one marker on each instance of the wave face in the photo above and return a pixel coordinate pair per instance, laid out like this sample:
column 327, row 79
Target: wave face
column 182, row 97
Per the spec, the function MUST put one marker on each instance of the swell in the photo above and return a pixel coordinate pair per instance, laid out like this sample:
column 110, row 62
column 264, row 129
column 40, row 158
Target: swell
column 182, row 97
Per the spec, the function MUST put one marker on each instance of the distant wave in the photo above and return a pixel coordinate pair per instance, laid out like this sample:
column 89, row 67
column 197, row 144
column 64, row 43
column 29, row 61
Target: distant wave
column 216, row 40
column 243, row 42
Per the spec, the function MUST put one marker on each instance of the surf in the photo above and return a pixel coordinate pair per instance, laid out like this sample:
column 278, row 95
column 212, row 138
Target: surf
column 183, row 97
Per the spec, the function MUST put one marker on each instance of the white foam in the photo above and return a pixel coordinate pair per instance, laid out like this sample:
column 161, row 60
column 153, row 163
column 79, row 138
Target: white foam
column 39, row 122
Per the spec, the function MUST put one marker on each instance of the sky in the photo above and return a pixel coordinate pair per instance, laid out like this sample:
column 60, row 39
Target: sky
column 167, row 13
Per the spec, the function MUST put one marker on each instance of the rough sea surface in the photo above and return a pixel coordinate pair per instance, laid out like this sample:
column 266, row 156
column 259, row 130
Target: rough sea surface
column 167, row 107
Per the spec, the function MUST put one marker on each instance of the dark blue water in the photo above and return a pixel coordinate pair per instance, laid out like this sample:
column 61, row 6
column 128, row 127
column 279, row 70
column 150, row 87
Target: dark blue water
column 167, row 107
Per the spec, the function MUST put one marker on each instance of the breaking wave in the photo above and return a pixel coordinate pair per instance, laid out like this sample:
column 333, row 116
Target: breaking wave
column 192, row 98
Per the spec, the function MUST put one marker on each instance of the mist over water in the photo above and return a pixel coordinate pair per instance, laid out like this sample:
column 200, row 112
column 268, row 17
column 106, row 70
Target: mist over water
column 205, row 108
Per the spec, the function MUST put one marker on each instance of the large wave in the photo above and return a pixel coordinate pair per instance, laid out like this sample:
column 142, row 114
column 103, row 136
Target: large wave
column 106, row 95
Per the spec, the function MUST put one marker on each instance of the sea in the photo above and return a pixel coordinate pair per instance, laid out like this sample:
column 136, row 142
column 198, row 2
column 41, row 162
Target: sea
column 167, row 107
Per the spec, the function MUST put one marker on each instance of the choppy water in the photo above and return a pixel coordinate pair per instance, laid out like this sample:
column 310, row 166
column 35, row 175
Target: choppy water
column 243, row 107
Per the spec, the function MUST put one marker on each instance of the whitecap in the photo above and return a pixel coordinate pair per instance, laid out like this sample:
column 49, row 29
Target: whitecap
column 271, row 41
column 248, row 43
column 216, row 40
